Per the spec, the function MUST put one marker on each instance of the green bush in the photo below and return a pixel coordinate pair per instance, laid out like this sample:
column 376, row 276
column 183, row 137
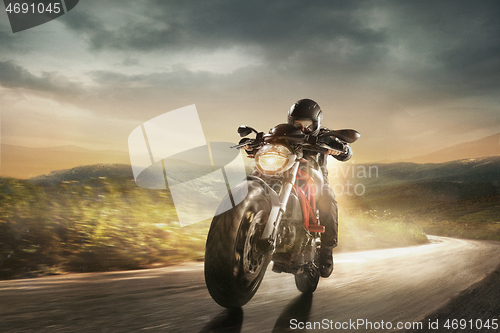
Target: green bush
column 97, row 225
column 103, row 224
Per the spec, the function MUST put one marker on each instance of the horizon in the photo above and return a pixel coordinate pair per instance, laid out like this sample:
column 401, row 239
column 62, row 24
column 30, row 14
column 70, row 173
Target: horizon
column 332, row 165
column 125, row 151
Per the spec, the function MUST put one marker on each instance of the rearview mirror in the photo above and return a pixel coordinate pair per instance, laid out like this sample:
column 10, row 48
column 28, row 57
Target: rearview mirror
column 245, row 130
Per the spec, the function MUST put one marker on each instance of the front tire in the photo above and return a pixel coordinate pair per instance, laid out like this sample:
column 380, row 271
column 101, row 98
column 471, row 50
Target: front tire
column 234, row 264
column 307, row 281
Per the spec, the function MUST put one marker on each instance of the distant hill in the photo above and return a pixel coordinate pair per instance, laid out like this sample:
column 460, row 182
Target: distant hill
column 484, row 169
column 433, row 201
column 114, row 171
column 457, row 199
column 488, row 146
column 177, row 172
column 23, row 162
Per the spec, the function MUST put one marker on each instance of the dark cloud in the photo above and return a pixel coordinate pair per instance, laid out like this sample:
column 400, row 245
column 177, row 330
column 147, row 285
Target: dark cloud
column 408, row 75
column 403, row 53
column 130, row 62
column 450, row 47
column 15, row 76
column 277, row 27
column 11, row 43
column 6, row 39
column 458, row 40
column 172, row 80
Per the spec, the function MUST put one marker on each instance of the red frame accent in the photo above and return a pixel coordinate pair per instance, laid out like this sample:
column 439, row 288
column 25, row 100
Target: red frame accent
column 308, row 202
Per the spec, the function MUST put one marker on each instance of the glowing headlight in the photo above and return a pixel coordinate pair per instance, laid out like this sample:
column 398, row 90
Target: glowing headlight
column 272, row 162
column 273, row 158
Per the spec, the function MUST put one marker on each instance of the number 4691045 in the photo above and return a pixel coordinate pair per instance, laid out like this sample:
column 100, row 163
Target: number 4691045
column 471, row 324
column 39, row 8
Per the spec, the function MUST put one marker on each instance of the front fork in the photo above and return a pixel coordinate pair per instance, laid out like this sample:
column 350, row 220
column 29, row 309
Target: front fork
column 268, row 238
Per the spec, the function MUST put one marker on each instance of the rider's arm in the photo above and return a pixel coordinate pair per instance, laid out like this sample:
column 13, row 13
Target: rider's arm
column 336, row 145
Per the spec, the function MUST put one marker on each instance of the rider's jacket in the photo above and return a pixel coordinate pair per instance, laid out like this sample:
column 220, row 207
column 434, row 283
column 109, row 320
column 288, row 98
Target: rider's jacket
column 321, row 159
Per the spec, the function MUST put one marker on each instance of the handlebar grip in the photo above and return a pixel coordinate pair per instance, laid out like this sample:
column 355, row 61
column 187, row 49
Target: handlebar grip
column 317, row 149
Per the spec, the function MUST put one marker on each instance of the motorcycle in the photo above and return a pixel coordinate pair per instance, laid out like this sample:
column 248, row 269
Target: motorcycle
column 277, row 219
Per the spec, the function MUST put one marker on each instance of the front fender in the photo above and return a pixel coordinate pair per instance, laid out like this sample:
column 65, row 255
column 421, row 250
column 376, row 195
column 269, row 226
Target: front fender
column 238, row 193
column 275, row 214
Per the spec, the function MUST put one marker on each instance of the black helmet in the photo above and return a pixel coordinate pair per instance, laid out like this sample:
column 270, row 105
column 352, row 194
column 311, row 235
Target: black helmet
column 306, row 115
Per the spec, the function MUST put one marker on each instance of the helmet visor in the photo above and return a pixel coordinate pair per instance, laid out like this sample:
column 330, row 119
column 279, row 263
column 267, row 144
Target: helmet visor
column 305, row 126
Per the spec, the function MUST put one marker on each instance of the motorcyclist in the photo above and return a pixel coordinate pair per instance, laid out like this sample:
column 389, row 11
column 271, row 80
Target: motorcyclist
column 307, row 115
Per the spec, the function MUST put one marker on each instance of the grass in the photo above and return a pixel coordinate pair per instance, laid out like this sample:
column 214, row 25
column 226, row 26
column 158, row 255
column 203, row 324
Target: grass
column 463, row 210
column 104, row 224
column 365, row 231
column 98, row 225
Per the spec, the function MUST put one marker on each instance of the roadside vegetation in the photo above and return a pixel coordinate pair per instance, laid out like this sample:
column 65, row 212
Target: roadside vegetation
column 96, row 225
column 367, row 230
column 102, row 224
column 54, row 224
column 463, row 210
column 455, row 199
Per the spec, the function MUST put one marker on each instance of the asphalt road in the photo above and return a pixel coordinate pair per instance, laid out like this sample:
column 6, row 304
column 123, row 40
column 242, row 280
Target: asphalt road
column 397, row 285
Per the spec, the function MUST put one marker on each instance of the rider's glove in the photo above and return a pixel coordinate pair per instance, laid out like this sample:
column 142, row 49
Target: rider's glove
column 337, row 147
column 248, row 150
column 333, row 152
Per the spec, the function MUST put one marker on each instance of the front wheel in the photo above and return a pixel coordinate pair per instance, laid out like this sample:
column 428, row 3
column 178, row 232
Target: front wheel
column 307, row 281
column 234, row 264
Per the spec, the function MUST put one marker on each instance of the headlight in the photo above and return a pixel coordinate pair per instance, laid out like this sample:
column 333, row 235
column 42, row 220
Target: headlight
column 274, row 158
column 272, row 162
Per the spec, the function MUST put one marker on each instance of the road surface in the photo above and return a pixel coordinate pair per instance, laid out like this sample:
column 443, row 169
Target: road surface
column 401, row 285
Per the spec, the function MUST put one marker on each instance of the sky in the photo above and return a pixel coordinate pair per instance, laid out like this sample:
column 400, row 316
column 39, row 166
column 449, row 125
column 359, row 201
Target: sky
column 411, row 76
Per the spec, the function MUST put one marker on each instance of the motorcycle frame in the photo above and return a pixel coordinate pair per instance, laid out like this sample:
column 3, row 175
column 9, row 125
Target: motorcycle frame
column 307, row 198
column 279, row 202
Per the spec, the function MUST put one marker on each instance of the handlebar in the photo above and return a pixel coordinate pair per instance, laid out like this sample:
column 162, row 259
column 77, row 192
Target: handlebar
column 298, row 139
column 318, row 147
